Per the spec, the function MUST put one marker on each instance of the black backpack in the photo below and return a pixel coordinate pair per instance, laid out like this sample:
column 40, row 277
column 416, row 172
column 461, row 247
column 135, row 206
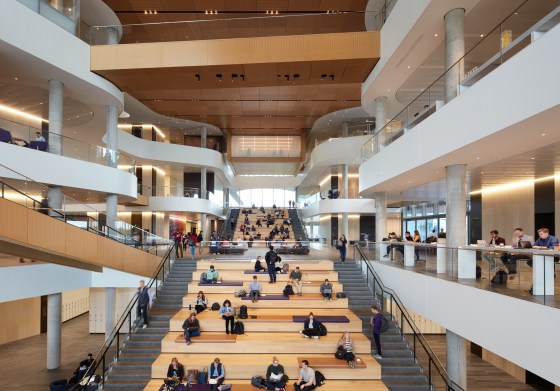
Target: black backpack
column 478, row 272
column 322, row 329
column 384, row 324
column 238, row 328
column 243, row 312
column 319, row 379
column 500, row 278
column 273, row 257
column 288, row 290
column 340, row 295
column 215, row 307
column 257, row 381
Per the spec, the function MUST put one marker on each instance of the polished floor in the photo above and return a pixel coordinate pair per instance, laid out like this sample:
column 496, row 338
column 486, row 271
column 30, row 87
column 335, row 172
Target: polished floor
column 23, row 363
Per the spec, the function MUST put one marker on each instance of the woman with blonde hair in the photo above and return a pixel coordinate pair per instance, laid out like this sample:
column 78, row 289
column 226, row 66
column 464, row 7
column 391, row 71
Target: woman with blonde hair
column 345, row 349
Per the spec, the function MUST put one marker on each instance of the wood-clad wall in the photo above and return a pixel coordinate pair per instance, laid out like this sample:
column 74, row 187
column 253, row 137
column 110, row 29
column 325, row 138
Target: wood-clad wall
column 20, row 319
column 34, row 229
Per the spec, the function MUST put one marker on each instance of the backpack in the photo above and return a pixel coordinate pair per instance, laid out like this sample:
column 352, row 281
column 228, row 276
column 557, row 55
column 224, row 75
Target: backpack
column 500, row 278
column 243, row 312
column 340, row 295
column 285, row 268
column 273, row 257
column 240, row 293
column 203, row 276
column 478, row 272
column 322, row 330
column 319, row 379
column 288, row 290
column 257, row 381
column 215, row 307
column 384, row 324
column 191, row 241
column 340, row 353
column 238, row 328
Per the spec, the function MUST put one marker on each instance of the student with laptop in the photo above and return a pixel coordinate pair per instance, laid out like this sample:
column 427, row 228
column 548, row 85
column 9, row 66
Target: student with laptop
column 495, row 241
column 520, row 240
column 274, row 374
column 545, row 240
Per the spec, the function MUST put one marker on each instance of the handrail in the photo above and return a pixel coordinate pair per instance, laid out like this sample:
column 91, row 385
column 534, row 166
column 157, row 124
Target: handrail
column 125, row 319
column 438, row 79
column 102, row 230
column 405, row 317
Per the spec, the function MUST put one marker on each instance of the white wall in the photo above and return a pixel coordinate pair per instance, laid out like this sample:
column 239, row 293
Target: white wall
column 58, row 170
column 500, row 116
column 522, row 332
column 356, row 206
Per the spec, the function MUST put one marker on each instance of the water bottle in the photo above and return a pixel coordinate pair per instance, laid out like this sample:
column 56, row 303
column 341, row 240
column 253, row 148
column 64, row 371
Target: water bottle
column 190, row 307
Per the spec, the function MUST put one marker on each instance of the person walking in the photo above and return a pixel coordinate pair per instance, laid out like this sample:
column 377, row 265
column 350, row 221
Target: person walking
column 341, row 246
column 192, row 243
column 177, row 240
column 200, row 239
column 376, row 323
column 270, row 258
column 144, row 302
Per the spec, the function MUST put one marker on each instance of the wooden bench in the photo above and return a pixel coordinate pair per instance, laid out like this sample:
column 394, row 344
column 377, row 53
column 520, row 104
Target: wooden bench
column 249, row 365
column 237, row 275
column 274, row 320
column 208, row 338
column 263, row 342
column 312, row 287
column 309, row 301
column 249, row 264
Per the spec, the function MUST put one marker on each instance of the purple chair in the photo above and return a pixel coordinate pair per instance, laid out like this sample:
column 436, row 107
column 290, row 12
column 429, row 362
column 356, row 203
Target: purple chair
column 5, row 136
column 38, row 145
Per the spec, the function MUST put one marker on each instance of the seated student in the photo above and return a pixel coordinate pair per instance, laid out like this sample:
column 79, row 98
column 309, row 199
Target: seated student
column 175, row 371
column 82, row 369
column 346, row 346
column 191, row 328
column 246, row 220
column 258, row 265
column 510, row 260
column 399, row 247
column 306, row 380
column 278, row 265
column 295, row 280
column 258, row 235
column 216, row 374
column 545, row 240
column 251, row 240
column 311, row 327
column 227, row 312
column 255, row 289
column 211, row 275
column 326, row 290
column 298, row 244
column 253, row 228
column 200, row 303
column 259, row 223
column 488, row 256
column 274, row 374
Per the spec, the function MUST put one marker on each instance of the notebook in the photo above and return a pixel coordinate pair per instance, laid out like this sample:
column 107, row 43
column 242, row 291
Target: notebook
column 481, row 243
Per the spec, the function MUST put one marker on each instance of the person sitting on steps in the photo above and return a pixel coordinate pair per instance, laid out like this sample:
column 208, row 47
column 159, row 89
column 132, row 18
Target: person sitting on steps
column 200, row 303
column 346, row 345
column 175, row 371
column 311, row 327
column 327, row 290
column 295, row 280
column 306, row 380
column 211, row 276
column 274, row 375
column 255, row 289
column 216, row 375
column 191, row 328
column 227, row 312
column 258, row 265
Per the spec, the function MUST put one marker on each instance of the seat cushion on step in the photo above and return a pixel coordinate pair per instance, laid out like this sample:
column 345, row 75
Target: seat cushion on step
column 223, row 283
column 322, row 318
column 268, row 297
column 209, row 338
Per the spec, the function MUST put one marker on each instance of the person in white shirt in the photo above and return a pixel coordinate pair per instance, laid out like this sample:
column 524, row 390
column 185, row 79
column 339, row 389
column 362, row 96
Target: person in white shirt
column 306, row 380
column 255, row 289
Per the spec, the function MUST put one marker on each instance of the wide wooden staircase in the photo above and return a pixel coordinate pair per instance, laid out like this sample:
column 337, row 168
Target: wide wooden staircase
column 272, row 329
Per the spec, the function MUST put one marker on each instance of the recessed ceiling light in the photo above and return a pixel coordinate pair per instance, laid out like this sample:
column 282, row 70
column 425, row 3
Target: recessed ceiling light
column 477, row 158
column 543, row 134
column 408, row 67
column 481, row 35
column 435, row 35
column 532, row 158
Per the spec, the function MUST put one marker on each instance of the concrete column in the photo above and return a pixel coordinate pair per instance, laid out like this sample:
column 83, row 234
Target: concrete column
column 380, row 112
column 344, row 227
column 226, row 198
column 112, row 36
column 203, row 183
column 112, row 209
column 345, row 129
column 203, row 225
column 456, row 191
column 454, row 51
column 456, row 358
column 110, row 304
column 54, row 324
column 203, row 140
column 55, row 201
column 345, row 181
column 380, row 216
column 111, row 129
column 56, row 111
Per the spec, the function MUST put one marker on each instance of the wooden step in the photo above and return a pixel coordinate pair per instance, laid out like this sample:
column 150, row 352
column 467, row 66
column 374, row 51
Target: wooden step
column 277, row 320
column 308, row 301
column 310, row 287
column 263, row 342
column 248, row 264
column 240, row 275
column 209, row 338
column 330, row 385
column 249, row 365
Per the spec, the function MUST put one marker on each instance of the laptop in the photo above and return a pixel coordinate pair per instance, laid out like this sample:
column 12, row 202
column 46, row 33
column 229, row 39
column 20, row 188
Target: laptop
column 481, row 243
column 525, row 244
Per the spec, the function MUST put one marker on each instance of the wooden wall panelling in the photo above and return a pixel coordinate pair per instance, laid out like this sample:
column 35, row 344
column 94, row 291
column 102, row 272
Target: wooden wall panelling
column 505, row 365
column 110, row 253
column 13, row 224
column 20, row 319
column 425, row 325
column 97, row 310
column 46, row 232
column 81, row 244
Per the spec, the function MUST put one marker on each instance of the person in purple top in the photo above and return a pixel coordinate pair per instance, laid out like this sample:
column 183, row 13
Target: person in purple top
column 376, row 323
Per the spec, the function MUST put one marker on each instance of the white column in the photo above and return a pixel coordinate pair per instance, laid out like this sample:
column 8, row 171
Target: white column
column 456, row 359
column 380, row 216
column 454, row 51
column 344, row 185
column 203, row 140
column 203, row 225
column 54, row 324
column 112, row 36
column 111, row 130
column 110, row 304
column 344, row 227
column 112, row 210
column 456, row 193
column 56, row 100
column 203, row 183
column 380, row 120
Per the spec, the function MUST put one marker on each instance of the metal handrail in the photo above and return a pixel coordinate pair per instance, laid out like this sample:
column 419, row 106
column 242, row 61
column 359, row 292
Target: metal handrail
column 125, row 319
column 406, row 318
